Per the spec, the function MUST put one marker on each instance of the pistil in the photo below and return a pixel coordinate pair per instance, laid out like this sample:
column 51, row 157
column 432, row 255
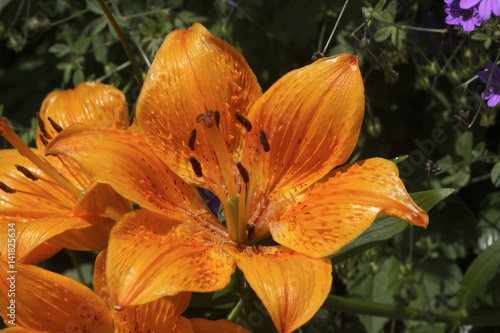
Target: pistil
column 14, row 140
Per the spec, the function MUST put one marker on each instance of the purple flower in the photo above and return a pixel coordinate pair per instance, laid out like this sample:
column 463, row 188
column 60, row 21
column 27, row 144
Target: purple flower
column 493, row 93
column 467, row 18
column 485, row 7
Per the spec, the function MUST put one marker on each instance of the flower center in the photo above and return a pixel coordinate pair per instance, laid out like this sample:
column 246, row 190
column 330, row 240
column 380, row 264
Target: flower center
column 235, row 204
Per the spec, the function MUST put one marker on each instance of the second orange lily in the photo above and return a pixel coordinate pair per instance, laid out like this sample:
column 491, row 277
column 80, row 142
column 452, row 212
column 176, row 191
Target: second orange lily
column 202, row 121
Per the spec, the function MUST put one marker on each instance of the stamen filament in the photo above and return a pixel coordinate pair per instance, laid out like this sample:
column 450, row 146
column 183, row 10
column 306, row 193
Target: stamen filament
column 14, row 140
column 223, row 158
column 241, row 215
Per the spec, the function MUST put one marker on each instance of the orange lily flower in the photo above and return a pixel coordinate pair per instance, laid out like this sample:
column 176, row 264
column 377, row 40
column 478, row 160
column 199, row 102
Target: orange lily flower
column 203, row 121
column 44, row 301
column 52, row 201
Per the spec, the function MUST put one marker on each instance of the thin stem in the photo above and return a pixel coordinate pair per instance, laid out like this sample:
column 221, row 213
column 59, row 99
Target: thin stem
column 69, row 18
column 123, row 41
column 406, row 27
column 485, row 90
column 117, row 69
column 358, row 306
column 442, row 71
column 235, row 312
column 335, row 27
column 141, row 51
column 76, row 265
column 466, row 162
column 164, row 11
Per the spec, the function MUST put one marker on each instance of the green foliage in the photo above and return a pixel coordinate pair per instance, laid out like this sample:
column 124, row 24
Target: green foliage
column 419, row 74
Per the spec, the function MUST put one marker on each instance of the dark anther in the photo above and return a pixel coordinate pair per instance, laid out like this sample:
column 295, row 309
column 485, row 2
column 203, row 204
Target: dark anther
column 41, row 125
column 431, row 167
column 250, row 231
column 263, row 140
column 206, row 118
column 26, row 172
column 192, row 139
column 44, row 141
column 243, row 172
column 217, row 118
column 55, row 125
column 317, row 55
column 244, row 122
column 196, row 166
column 6, row 188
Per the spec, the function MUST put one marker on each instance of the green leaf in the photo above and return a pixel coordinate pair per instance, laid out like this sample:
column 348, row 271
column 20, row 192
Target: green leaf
column 495, row 175
column 383, row 33
column 463, row 146
column 4, row 4
column 59, row 49
column 399, row 159
column 94, row 7
column 385, row 227
column 78, row 77
column 479, row 36
column 479, row 273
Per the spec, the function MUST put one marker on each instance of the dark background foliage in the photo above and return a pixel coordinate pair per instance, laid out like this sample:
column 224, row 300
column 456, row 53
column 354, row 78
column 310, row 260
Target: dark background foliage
column 418, row 72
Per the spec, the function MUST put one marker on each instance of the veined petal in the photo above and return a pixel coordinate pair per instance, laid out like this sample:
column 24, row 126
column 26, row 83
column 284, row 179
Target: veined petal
column 32, row 199
column 49, row 302
column 334, row 212
column 90, row 103
column 152, row 255
column 124, row 161
column 291, row 286
column 102, row 200
column 21, row 330
column 219, row 326
column 162, row 315
column 311, row 118
column 30, row 235
column 194, row 72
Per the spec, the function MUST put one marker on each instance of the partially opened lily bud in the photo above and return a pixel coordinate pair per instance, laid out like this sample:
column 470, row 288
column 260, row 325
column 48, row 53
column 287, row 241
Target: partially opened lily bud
column 203, row 121
column 50, row 198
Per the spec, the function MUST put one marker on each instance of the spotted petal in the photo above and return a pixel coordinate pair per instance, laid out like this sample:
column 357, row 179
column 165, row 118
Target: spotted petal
column 194, row 72
column 334, row 212
column 49, row 302
column 124, row 161
column 311, row 118
column 60, row 230
column 152, row 255
column 291, row 286
column 162, row 315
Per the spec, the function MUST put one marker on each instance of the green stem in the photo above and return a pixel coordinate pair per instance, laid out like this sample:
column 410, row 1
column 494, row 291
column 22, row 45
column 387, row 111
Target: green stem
column 235, row 312
column 76, row 264
column 406, row 27
column 151, row 12
column 357, row 306
column 123, row 41
column 467, row 162
column 69, row 18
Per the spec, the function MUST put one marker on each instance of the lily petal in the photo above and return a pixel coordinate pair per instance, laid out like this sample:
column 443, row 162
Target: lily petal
column 291, row 286
column 162, row 315
column 102, row 200
column 336, row 211
column 311, row 118
column 219, row 326
column 30, row 235
column 63, row 303
column 90, row 103
column 194, row 72
column 152, row 255
column 124, row 161
column 43, row 198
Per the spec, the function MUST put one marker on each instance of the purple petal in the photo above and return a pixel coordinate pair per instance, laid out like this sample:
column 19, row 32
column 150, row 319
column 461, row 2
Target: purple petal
column 494, row 100
column 485, row 10
column 483, row 76
column 466, row 4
